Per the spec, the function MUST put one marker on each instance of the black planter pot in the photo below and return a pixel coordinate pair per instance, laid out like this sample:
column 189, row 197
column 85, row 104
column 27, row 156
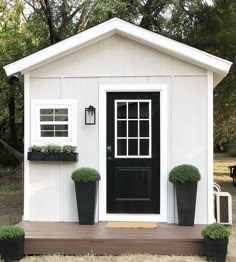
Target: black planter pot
column 186, row 202
column 86, row 199
column 57, row 156
column 12, row 249
column 216, row 249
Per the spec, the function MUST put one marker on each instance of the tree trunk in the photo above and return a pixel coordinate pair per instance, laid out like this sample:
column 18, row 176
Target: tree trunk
column 12, row 112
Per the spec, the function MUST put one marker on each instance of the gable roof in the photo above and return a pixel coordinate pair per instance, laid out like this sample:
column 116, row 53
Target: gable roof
column 219, row 66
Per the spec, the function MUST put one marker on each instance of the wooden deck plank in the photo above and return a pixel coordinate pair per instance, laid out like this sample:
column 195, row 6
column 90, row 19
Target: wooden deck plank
column 72, row 238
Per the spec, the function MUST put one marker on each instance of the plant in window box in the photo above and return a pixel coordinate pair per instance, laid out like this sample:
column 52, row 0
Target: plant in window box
column 185, row 178
column 86, row 182
column 52, row 149
column 53, row 152
column 11, row 243
column 69, row 149
column 216, row 241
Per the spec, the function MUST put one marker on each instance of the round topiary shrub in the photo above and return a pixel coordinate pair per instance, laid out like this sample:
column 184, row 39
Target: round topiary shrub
column 184, row 174
column 215, row 231
column 10, row 232
column 85, row 175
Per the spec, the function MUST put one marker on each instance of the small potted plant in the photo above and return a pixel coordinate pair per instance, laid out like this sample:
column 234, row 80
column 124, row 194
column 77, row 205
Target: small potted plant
column 52, row 152
column 86, row 181
column 11, row 243
column 216, row 242
column 185, row 177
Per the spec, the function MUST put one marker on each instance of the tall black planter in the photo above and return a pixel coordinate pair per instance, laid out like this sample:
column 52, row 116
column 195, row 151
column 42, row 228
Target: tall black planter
column 12, row 249
column 186, row 202
column 216, row 249
column 86, row 199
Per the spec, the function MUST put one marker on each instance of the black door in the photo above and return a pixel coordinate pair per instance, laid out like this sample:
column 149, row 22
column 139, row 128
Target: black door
column 133, row 152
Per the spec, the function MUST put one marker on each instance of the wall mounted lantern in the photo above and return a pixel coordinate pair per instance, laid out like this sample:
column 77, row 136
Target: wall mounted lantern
column 90, row 115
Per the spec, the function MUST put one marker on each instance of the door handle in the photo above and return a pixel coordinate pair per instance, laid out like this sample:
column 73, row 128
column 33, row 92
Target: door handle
column 109, row 152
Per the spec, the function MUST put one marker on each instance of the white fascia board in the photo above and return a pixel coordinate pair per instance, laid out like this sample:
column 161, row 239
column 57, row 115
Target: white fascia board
column 110, row 27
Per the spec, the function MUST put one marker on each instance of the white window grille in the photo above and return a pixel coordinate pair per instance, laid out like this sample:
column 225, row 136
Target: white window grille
column 54, row 122
column 133, row 128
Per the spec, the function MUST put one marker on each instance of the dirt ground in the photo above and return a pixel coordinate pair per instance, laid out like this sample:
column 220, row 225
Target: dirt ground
column 11, row 209
column 124, row 258
column 11, row 199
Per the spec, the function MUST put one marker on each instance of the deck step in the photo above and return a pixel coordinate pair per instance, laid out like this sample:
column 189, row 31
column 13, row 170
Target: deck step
column 73, row 239
column 114, row 247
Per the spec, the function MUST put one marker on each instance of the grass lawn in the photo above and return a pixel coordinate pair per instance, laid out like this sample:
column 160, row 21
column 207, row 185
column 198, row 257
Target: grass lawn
column 221, row 176
column 11, row 199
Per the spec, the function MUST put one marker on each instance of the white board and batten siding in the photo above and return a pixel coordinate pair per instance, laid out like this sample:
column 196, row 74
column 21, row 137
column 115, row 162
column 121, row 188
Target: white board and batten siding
column 119, row 60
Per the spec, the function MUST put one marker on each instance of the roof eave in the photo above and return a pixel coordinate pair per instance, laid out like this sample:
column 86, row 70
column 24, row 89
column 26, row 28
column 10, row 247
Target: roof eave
column 189, row 54
column 60, row 49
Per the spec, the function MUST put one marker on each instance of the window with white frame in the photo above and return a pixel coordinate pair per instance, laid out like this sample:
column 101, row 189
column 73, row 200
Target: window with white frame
column 53, row 121
column 132, row 128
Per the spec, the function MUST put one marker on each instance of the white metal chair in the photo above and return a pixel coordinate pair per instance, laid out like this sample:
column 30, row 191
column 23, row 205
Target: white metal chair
column 216, row 188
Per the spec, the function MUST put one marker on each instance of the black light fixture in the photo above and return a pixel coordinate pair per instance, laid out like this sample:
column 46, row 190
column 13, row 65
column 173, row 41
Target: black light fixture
column 90, row 115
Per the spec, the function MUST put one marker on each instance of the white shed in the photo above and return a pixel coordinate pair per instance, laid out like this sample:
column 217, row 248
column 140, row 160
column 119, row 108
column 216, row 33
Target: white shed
column 154, row 110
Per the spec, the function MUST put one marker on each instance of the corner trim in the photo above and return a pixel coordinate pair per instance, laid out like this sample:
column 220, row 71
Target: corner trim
column 210, row 154
column 26, row 146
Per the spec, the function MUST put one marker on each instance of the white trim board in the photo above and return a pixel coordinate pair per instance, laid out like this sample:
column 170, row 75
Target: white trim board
column 210, row 157
column 27, row 134
column 117, row 26
column 103, row 89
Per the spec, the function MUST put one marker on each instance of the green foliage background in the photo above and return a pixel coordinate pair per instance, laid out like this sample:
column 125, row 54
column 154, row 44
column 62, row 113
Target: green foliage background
column 27, row 26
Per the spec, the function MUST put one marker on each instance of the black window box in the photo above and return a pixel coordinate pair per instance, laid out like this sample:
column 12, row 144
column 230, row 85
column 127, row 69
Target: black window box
column 57, row 156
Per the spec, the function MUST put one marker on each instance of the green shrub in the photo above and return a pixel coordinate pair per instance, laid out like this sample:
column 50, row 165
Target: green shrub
column 52, row 148
column 85, row 174
column 232, row 149
column 184, row 174
column 69, row 149
column 35, row 148
column 9, row 232
column 215, row 231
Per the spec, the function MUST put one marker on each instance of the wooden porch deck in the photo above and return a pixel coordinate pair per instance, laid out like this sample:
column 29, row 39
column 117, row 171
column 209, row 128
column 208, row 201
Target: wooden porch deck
column 72, row 238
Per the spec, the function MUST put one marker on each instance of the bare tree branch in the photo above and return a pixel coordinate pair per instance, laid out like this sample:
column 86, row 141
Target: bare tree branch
column 84, row 18
column 190, row 15
column 35, row 9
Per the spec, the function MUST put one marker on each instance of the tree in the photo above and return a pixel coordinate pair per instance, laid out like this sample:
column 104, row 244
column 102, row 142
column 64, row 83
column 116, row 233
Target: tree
column 13, row 45
column 68, row 17
column 63, row 17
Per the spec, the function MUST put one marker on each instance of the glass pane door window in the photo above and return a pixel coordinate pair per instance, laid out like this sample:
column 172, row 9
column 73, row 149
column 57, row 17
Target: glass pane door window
column 132, row 128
